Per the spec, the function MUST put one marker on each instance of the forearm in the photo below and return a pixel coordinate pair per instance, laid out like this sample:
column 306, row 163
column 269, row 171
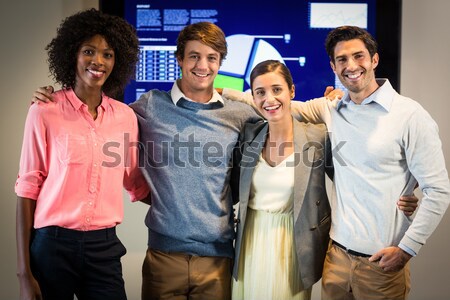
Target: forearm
column 24, row 227
column 236, row 95
column 244, row 97
column 313, row 111
column 134, row 181
column 426, row 220
column 425, row 160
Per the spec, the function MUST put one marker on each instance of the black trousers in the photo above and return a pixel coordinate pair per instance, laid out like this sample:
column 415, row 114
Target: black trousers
column 87, row 264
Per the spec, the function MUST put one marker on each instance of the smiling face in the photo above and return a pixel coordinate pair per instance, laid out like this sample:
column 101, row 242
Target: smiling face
column 95, row 61
column 355, row 68
column 272, row 96
column 199, row 66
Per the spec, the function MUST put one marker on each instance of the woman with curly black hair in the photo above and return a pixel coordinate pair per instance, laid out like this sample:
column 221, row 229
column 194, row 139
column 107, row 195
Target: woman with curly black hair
column 78, row 151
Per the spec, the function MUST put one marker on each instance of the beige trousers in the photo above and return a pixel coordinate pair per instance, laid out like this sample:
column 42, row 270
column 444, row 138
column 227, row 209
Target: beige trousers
column 178, row 276
column 348, row 277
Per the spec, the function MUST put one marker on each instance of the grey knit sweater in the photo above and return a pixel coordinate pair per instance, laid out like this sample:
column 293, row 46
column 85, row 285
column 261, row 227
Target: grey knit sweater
column 185, row 152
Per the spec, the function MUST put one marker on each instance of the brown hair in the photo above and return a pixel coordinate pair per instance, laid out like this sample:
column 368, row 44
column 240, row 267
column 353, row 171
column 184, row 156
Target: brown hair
column 346, row 33
column 269, row 66
column 205, row 32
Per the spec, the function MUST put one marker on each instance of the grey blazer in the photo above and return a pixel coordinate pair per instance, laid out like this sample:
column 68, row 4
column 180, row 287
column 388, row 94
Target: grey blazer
column 312, row 213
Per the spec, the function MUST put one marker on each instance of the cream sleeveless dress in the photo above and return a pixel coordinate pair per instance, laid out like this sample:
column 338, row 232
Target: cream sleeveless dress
column 268, row 267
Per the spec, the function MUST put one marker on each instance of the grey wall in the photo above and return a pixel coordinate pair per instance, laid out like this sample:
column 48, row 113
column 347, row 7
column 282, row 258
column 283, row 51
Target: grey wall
column 27, row 26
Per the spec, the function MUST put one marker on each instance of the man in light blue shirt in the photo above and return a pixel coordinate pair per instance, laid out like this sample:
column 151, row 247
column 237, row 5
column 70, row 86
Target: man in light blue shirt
column 388, row 143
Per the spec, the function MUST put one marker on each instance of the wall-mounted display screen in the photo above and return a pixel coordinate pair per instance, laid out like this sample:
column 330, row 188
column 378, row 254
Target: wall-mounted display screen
column 290, row 31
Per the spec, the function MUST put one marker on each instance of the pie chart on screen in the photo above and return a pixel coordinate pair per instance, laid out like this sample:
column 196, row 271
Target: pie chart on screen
column 244, row 52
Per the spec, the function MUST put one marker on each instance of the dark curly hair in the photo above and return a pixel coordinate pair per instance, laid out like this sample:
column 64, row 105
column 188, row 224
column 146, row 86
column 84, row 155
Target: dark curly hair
column 80, row 27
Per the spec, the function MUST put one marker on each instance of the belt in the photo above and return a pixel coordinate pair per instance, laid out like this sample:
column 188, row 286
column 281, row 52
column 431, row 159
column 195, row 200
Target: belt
column 349, row 251
column 57, row 231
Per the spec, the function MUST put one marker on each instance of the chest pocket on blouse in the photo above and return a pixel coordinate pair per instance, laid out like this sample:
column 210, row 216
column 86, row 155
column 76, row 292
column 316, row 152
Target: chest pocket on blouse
column 72, row 149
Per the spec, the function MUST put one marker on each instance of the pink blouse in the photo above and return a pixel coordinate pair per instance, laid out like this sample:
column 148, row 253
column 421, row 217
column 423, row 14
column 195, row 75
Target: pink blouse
column 75, row 166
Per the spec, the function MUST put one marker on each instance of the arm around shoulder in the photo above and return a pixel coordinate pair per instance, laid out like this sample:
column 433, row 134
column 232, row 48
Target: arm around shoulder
column 314, row 111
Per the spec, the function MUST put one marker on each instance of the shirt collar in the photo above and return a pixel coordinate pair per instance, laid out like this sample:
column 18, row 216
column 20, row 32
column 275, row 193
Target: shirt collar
column 177, row 94
column 77, row 103
column 382, row 96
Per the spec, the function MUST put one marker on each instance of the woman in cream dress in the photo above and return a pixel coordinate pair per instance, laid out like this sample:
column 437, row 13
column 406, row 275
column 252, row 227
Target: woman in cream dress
column 279, row 181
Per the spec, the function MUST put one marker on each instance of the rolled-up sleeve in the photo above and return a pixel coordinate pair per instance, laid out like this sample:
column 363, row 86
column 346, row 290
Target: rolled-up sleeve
column 33, row 168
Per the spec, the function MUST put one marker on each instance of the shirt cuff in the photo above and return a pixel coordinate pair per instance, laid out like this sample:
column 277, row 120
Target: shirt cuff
column 407, row 250
column 26, row 191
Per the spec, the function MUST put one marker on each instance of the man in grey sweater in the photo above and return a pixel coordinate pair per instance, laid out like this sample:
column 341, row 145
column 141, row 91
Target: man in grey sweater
column 191, row 132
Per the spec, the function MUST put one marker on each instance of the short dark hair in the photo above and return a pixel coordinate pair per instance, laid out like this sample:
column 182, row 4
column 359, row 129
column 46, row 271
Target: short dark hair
column 205, row 32
column 74, row 30
column 346, row 33
column 269, row 66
